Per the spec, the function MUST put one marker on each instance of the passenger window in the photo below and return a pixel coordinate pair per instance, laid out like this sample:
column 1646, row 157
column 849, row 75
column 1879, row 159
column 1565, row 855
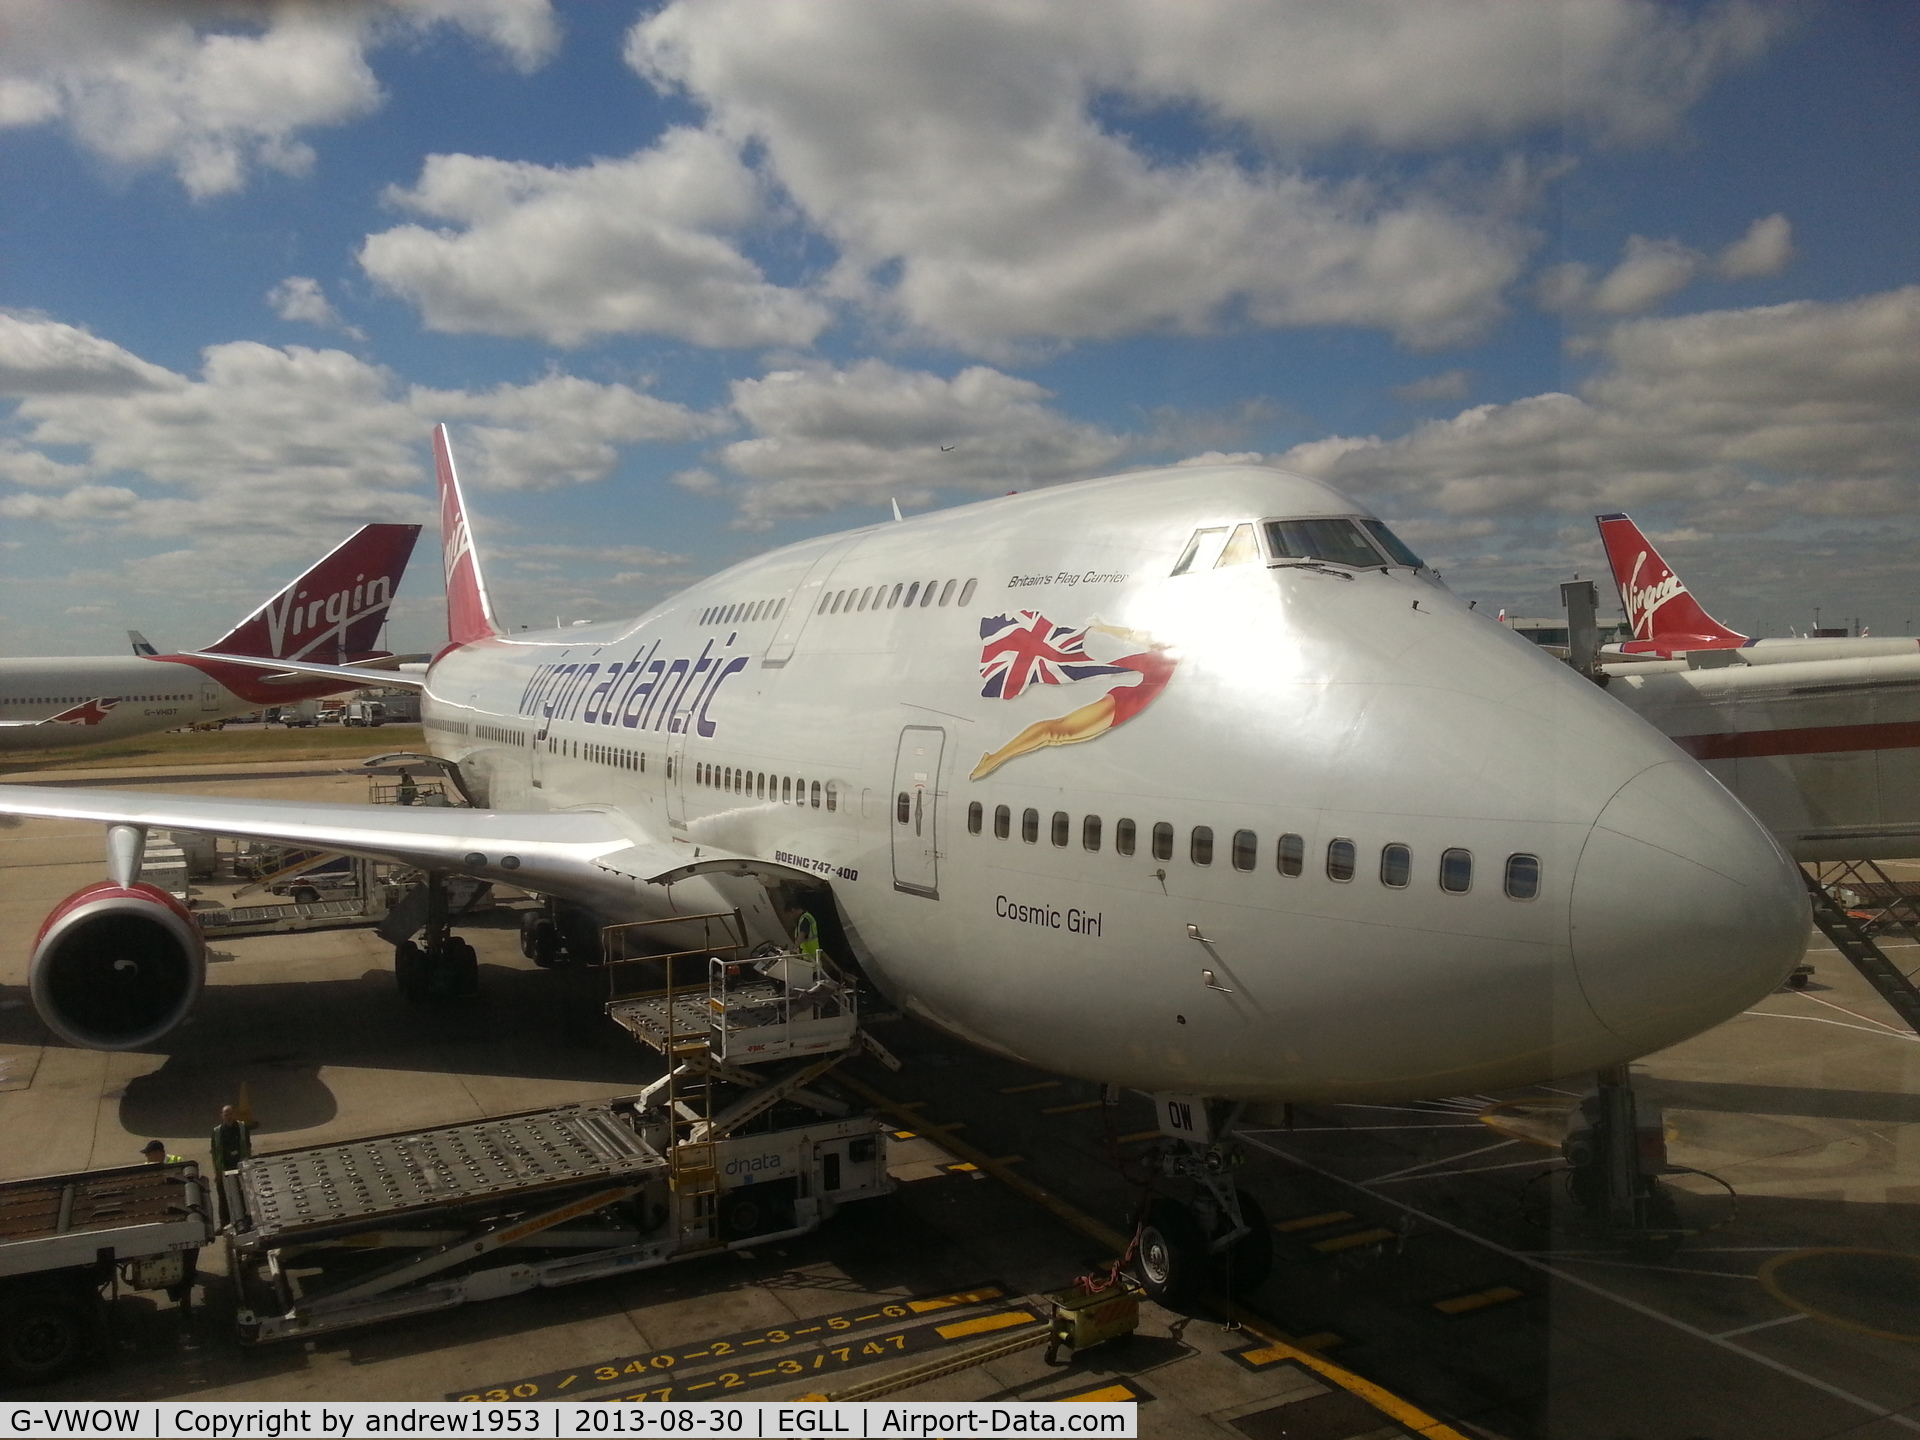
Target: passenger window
column 926, row 595
column 759, row 782
column 893, row 599
column 976, row 812
column 1090, row 833
column 1242, row 548
column 835, row 599
column 1123, row 836
column 1002, row 822
column 1291, row 857
column 778, row 606
column 1162, row 840
column 912, row 590
column 1202, row 550
column 1340, row 860
column 1337, row 541
column 903, row 807
column 1456, row 871
column 866, row 596
column 1391, row 543
column 1246, row 847
column 813, row 796
column 967, row 593
column 833, row 796
column 1396, row 866
column 946, row 592
column 1030, row 826
column 1061, row 825
column 1200, row 845
column 1523, row 877
column 786, row 789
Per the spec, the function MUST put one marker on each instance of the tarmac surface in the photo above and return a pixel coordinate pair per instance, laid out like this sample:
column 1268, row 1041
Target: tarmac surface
column 1429, row 1272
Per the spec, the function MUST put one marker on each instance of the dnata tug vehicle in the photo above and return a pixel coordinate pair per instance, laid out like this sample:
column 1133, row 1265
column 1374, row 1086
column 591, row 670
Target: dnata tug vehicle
column 1195, row 781
column 333, row 614
column 1818, row 736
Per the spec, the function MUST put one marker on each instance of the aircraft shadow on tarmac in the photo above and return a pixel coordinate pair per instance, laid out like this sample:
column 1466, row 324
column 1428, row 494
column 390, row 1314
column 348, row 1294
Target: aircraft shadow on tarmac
column 278, row 1037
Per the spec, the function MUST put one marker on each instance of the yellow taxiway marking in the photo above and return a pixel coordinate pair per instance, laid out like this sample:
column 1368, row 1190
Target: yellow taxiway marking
column 1071, row 1109
column 1105, row 1392
column 1005, row 1320
column 1029, row 1089
column 1352, row 1242
column 1137, row 1136
column 959, row 1297
column 1313, row 1222
column 1479, row 1300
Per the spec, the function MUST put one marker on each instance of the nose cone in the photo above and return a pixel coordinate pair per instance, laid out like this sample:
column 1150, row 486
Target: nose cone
column 1685, row 911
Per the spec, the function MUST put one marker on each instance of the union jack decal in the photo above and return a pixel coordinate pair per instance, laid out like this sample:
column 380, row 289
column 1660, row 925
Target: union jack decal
column 1026, row 649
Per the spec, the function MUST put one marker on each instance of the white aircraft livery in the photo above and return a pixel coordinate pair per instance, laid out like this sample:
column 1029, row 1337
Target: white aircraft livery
column 332, row 613
column 1818, row 736
column 1193, row 780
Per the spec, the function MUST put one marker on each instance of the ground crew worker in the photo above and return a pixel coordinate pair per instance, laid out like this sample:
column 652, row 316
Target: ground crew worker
column 806, row 932
column 232, row 1142
column 407, row 791
column 156, row 1154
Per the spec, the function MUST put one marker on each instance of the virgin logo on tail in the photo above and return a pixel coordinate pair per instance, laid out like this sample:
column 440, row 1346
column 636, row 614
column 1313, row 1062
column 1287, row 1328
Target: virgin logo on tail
column 1642, row 600
column 334, row 612
column 469, row 611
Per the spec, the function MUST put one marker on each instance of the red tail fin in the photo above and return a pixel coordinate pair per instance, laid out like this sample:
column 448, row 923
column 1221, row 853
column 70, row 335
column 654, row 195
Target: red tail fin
column 1663, row 614
column 469, row 612
column 333, row 613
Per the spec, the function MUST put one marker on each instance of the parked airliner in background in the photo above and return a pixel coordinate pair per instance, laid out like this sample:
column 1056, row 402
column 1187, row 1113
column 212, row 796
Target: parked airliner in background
column 1194, row 781
column 1819, row 737
column 333, row 614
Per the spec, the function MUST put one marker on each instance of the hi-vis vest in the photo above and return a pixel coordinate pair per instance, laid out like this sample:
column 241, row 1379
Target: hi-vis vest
column 807, row 933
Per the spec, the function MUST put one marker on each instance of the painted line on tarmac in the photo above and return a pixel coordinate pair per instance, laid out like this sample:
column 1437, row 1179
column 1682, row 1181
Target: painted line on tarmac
column 1861, row 1402
column 1408, row 1414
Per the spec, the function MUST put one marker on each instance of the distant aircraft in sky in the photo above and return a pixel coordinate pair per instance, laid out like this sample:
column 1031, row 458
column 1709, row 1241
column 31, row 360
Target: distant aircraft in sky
column 332, row 613
column 1195, row 781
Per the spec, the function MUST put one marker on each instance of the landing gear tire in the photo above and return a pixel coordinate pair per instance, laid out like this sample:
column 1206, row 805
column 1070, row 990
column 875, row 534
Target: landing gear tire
column 1250, row 1258
column 1172, row 1263
column 539, row 940
column 306, row 895
column 410, row 971
column 43, row 1334
column 460, row 967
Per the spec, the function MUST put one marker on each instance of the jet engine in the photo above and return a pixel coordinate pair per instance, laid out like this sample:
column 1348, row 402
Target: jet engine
column 116, row 966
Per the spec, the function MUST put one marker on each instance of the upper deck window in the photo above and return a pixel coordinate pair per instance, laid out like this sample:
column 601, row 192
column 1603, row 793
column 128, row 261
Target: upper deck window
column 1242, row 548
column 1335, row 542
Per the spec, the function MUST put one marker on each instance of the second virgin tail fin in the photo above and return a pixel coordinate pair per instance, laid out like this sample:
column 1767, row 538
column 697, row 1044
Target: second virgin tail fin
column 1663, row 614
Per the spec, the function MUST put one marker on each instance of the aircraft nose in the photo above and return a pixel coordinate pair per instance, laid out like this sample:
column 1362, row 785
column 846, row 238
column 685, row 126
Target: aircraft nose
column 1684, row 909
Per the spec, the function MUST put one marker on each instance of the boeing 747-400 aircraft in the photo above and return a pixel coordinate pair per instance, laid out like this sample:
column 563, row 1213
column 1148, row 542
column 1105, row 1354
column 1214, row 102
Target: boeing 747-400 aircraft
column 1195, row 781
column 332, row 614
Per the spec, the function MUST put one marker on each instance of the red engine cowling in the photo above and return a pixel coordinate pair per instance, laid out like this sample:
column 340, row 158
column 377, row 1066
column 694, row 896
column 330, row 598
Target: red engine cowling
column 116, row 967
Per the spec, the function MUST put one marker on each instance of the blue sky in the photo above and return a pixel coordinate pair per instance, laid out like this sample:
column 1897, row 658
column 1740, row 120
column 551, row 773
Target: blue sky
column 691, row 280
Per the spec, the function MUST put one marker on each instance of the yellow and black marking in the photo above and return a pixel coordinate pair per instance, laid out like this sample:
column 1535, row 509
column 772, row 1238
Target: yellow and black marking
column 741, row 1360
column 1475, row 1301
column 1313, row 1222
column 1029, row 1089
column 1268, row 1354
column 1117, row 1389
column 1337, row 1244
column 1074, row 1109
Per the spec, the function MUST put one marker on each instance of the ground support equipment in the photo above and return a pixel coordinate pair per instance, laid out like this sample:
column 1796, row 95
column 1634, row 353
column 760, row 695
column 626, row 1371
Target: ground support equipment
column 344, row 1235
column 1835, row 895
column 65, row 1239
column 1616, row 1150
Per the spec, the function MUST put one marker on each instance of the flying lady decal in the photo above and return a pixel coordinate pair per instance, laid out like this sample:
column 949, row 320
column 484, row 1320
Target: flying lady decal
column 1027, row 649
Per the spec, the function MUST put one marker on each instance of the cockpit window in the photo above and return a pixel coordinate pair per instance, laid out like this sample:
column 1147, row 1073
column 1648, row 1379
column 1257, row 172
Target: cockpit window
column 1391, row 543
column 1202, row 550
column 1336, row 542
column 1242, row 548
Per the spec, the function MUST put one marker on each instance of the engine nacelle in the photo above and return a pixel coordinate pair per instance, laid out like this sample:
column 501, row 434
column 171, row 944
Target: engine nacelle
column 116, row 967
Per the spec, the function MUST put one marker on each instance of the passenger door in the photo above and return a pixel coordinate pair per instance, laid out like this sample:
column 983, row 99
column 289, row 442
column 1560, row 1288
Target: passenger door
column 915, row 810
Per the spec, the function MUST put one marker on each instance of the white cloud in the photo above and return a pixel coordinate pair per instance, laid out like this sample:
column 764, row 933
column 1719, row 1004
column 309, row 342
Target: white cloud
column 1648, row 273
column 1805, row 408
column 214, row 88
column 994, row 206
column 1447, row 385
column 637, row 245
column 826, row 438
column 300, row 298
column 1766, row 249
column 287, row 444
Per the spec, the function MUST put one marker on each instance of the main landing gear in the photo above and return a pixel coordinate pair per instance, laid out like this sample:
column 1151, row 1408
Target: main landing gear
column 556, row 935
column 440, row 965
column 1218, row 1238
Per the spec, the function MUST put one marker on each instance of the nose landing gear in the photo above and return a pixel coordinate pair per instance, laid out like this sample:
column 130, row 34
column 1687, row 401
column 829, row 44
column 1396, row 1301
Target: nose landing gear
column 1219, row 1237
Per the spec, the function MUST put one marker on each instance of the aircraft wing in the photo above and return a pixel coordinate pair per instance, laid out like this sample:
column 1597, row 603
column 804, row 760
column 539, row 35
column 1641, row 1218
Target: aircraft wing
column 359, row 674
column 583, row 854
